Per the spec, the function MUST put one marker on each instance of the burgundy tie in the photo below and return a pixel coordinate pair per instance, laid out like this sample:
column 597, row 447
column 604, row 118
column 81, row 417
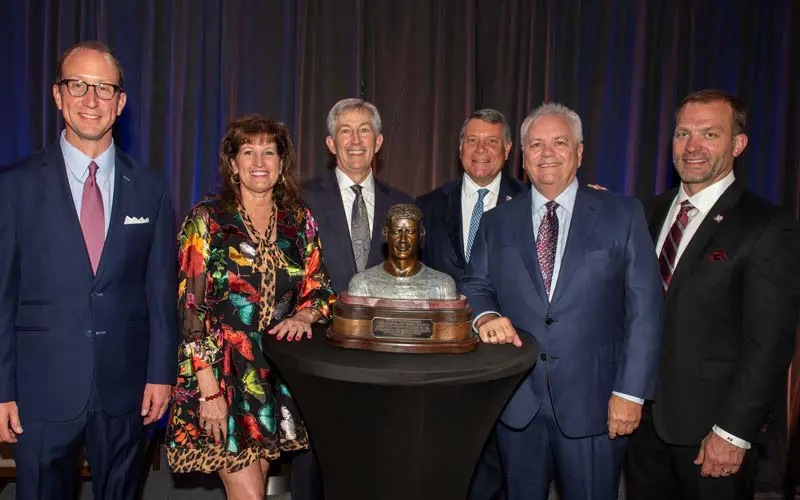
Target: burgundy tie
column 546, row 244
column 670, row 248
column 92, row 217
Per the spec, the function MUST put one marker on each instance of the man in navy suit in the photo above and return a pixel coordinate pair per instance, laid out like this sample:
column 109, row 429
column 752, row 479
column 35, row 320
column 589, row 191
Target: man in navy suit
column 452, row 212
column 575, row 268
column 452, row 215
column 88, row 326
column 349, row 205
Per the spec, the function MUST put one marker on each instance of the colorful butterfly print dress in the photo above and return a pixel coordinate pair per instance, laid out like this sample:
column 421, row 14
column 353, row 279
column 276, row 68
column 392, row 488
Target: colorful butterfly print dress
column 232, row 289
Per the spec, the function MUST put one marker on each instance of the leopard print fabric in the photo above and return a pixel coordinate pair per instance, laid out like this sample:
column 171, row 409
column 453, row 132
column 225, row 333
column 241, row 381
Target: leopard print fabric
column 215, row 458
column 268, row 258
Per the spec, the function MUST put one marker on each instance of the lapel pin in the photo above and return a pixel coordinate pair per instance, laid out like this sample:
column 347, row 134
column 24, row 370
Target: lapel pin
column 718, row 218
column 508, row 197
column 126, row 178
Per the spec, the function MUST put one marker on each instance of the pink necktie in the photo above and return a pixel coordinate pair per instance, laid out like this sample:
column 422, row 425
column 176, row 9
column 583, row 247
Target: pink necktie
column 92, row 217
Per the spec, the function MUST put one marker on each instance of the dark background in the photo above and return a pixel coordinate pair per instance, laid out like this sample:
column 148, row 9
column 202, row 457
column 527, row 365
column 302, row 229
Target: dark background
column 623, row 65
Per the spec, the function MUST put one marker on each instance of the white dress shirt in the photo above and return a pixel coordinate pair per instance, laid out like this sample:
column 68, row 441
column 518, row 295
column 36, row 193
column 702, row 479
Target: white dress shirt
column 469, row 196
column 77, row 164
column 703, row 202
column 349, row 196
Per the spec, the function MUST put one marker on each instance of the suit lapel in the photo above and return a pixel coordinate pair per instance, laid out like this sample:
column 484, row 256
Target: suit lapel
column 54, row 159
column 506, row 192
column 453, row 223
column 337, row 221
column 382, row 205
column 526, row 244
column 659, row 214
column 704, row 233
column 123, row 184
column 581, row 226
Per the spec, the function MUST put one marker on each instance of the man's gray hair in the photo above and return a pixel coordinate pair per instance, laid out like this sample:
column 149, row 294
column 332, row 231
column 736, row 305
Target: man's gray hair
column 487, row 115
column 349, row 105
column 553, row 108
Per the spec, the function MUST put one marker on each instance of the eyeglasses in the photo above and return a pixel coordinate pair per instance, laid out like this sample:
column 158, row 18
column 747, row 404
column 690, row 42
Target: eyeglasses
column 78, row 88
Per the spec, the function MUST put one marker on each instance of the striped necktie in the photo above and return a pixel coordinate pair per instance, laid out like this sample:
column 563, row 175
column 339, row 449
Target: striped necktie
column 666, row 260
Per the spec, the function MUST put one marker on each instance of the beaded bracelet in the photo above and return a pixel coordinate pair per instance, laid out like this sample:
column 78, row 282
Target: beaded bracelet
column 212, row 397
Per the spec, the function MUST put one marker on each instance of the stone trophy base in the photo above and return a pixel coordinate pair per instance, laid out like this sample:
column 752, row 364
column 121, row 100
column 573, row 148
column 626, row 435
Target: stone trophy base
column 409, row 326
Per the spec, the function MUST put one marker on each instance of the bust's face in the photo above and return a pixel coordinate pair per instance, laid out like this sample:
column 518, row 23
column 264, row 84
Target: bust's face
column 402, row 236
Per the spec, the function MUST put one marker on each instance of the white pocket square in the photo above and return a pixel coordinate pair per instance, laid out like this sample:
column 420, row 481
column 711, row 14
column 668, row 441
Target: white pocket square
column 136, row 220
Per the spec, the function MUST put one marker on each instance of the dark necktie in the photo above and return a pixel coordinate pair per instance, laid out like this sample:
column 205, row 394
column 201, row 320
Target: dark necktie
column 546, row 244
column 666, row 260
column 359, row 229
column 93, row 223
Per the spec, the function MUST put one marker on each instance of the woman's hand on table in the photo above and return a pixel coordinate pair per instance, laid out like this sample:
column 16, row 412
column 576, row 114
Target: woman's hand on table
column 295, row 327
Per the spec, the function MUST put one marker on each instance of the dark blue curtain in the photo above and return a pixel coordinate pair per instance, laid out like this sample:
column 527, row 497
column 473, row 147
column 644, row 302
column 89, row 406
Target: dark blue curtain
column 624, row 65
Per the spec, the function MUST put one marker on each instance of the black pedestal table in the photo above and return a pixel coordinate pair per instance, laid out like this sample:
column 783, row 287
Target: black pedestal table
column 390, row 426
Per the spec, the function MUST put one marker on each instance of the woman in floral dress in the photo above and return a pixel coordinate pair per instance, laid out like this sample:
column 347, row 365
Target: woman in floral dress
column 250, row 265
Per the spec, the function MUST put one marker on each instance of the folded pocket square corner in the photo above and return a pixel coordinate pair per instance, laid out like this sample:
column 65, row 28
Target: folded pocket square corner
column 136, row 220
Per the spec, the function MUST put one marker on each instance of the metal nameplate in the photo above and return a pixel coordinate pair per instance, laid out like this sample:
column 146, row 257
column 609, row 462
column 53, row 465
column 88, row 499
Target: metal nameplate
column 402, row 328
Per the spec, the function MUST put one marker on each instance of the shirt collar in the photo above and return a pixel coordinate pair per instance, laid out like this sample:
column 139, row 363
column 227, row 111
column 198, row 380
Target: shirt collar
column 78, row 162
column 706, row 198
column 565, row 200
column 469, row 187
column 346, row 182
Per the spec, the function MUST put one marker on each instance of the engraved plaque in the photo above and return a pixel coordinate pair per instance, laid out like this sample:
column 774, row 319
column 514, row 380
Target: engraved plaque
column 402, row 328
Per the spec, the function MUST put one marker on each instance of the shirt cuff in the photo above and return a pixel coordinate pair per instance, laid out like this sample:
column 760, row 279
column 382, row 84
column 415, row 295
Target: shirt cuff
column 629, row 397
column 727, row 436
column 480, row 316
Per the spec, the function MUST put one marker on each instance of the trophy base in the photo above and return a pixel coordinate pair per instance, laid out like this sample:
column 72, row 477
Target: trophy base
column 404, row 326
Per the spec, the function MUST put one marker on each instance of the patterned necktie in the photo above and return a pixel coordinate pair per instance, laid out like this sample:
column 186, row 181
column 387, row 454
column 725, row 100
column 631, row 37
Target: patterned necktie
column 475, row 220
column 359, row 229
column 546, row 244
column 93, row 223
column 666, row 260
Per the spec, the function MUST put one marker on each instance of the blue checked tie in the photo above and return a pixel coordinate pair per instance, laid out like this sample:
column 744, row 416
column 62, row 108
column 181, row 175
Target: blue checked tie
column 475, row 220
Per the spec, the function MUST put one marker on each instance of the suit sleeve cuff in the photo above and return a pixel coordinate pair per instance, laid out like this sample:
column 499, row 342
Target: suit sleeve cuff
column 727, row 436
column 484, row 313
column 629, row 397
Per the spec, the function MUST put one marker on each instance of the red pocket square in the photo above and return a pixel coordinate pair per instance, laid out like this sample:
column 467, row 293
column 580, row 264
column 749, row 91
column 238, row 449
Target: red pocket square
column 717, row 255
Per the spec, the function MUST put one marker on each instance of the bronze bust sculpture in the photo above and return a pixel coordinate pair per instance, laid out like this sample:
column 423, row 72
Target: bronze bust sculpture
column 402, row 276
column 401, row 305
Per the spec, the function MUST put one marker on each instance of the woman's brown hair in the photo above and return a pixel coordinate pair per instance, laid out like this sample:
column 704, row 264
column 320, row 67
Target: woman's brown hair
column 250, row 129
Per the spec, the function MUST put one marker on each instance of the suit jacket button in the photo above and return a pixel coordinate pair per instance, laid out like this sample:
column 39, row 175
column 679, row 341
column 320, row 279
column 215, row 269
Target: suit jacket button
column 548, row 321
column 543, row 357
